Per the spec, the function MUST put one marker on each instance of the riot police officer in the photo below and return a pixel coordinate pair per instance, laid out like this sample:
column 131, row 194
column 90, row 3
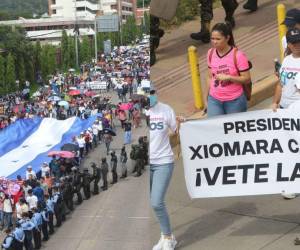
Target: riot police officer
column 123, row 160
column 77, row 183
column 155, row 34
column 58, row 204
column 104, row 172
column 96, row 177
column 206, row 14
column 113, row 165
column 68, row 193
column 251, row 5
column 86, row 180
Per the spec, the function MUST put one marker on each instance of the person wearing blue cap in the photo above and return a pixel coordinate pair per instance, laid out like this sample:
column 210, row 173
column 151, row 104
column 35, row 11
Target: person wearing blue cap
column 27, row 225
column 9, row 240
column 38, row 221
column 292, row 20
column 50, row 210
column 19, row 236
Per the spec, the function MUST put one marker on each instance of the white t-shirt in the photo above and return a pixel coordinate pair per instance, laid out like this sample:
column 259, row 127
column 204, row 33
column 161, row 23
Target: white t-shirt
column 162, row 118
column 44, row 170
column 290, row 80
column 32, row 201
column 81, row 142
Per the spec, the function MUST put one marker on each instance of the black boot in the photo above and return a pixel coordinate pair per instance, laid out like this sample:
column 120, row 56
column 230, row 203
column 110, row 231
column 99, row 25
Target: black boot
column 204, row 34
column 250, row 5
column 229, row 10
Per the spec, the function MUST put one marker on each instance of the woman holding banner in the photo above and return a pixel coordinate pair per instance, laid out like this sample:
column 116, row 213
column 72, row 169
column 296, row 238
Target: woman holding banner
column 228, row 71
column 287, row 90
column 162, row 120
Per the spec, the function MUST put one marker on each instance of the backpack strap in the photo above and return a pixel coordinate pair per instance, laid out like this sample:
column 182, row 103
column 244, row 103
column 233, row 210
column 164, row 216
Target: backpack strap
column 235, row 50
column 211, row 51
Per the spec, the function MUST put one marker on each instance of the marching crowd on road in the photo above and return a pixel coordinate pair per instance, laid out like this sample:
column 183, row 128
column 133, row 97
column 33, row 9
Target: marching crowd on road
column 44, row 198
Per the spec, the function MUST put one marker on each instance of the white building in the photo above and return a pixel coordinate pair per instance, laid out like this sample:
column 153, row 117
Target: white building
column 49, row 30
column 91, row 8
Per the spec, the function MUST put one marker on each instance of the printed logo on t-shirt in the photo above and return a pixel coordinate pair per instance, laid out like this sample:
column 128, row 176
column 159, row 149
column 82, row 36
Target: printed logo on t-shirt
column 222, row 69
column 287, row 74
column 157, row 123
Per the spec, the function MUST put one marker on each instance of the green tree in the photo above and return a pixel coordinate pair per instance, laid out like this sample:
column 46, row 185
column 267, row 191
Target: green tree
column 65, row 51
column 85, row 50
column 20, row 70
column 10, row 74
column 37, row 57
column 2, row 75
column 44, row 62
column 72, row 52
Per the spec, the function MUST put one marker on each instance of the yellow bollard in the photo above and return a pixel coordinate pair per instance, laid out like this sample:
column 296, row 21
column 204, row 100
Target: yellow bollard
column 281, row 28
column 196, row 82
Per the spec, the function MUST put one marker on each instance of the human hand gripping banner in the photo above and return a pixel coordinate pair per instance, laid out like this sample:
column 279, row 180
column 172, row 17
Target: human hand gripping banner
column 251, row 153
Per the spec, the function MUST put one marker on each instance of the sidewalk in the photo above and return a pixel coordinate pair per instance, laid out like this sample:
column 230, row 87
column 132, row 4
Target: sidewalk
column 255, row 33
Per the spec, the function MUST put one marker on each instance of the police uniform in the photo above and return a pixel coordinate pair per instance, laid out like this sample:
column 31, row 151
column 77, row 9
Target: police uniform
column 57, row 200
column 77, row 177
column 19, row 237
column 50, row 211
column 8, row 242
column 86, row 180
column 96, row 177
column 123, row 160
column 104, row 172
column 206, row 15
column 113, row 165
column 27, row 225
column 37, row 221
column 45, row 217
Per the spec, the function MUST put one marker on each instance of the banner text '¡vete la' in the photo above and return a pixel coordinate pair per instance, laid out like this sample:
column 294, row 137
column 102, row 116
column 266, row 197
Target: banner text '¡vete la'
column 228, row 174
column 261, row 124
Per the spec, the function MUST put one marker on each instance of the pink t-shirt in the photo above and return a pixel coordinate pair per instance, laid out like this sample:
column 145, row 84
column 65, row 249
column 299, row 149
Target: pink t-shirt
column 221, row 90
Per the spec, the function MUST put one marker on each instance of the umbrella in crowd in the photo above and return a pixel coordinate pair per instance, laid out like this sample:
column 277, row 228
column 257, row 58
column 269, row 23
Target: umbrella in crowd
column 62, row 154
column 75, row 92
column 54, row 98
column 125, row 106
column 109, row 131
column 70, row 147
column 64, row 104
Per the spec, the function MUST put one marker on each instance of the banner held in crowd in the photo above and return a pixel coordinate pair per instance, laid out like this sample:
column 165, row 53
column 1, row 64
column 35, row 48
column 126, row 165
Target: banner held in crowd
column 251, row 153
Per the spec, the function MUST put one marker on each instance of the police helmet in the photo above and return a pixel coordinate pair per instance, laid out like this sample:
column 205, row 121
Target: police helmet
column 93, row 164
column 85, row 170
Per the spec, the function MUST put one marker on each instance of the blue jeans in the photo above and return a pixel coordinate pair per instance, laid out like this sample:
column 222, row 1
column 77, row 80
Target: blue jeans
column 160, row 176
column 127, row 137
column 216, row 107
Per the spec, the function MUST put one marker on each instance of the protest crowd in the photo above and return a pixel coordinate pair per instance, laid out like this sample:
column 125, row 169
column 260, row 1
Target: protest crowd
column 38, row 201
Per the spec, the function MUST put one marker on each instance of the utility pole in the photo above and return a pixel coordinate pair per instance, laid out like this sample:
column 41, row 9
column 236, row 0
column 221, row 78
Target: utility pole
column 96, row 48
column 76, row 36
column 120, row 20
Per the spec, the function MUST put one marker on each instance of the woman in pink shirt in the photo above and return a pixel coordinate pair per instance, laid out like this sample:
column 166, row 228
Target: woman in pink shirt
column 228, row 70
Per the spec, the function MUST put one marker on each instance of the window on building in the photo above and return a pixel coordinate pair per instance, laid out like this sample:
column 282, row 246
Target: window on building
column 53, row 1
column 54, row 11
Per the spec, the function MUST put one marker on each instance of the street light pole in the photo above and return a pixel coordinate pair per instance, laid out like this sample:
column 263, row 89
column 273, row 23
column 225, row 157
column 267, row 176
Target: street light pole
column 120, row 20
column 96, row 48
column 76, row 36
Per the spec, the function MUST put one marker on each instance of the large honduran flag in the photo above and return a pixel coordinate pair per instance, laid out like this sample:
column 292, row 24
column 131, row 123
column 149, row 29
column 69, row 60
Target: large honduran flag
column 28, row 141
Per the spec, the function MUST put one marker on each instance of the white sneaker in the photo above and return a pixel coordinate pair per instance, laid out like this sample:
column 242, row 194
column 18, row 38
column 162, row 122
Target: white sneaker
column 159, row 245
column 169, row 244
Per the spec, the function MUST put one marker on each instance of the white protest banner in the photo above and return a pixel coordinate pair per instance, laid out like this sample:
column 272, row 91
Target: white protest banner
column 97, row 85
column 251, row 153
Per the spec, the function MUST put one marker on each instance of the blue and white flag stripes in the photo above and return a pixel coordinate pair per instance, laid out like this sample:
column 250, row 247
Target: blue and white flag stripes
column 27, row 142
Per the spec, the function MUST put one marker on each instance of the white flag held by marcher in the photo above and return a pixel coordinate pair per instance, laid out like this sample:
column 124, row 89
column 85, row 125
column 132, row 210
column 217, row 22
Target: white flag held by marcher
column 251, row 153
